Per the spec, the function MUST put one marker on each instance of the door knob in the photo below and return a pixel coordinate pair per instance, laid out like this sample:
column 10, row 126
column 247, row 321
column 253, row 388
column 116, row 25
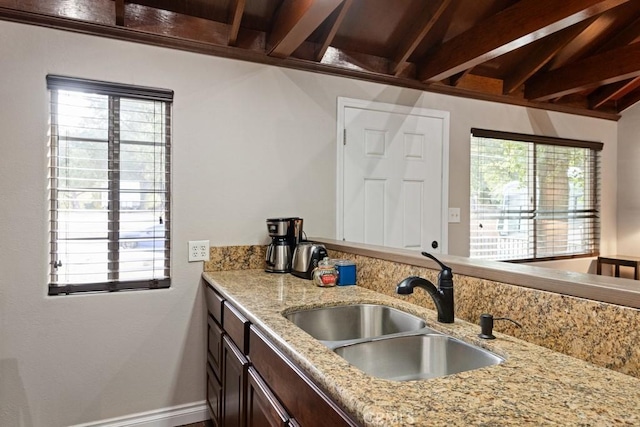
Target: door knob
column 434, row 244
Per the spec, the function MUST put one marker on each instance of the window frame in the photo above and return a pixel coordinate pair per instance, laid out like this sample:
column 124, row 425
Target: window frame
column 593, row 146
column 115, row 92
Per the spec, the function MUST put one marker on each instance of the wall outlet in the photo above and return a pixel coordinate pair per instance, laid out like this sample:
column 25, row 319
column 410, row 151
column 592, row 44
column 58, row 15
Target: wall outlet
column 198, row 250
column 454, row 214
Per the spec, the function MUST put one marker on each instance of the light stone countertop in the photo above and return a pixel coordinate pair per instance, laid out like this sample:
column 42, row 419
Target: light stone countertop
column 534, row 386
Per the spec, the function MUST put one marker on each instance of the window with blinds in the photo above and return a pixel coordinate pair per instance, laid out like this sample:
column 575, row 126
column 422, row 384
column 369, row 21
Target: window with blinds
column 533, row 197
column 109, row 182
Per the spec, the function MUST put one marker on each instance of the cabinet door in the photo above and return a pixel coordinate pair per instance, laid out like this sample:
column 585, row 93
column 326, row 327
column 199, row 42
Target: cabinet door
column 263, row 409
column 214, row 344
column 302, row 399
column 234, row 384
column 214, row 396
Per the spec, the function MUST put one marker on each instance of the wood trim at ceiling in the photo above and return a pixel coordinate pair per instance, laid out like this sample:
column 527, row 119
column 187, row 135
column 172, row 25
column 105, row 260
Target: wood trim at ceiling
column 497, row 35
column 541, row 56
column 235, row 17
column 161, row 40
column 120, row 13
column 296, row 20
column 417, row 34
column 608, row 67
column 330, row 32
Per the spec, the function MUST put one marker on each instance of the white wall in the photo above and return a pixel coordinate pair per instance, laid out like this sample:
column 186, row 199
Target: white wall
column 629, row 182
column 250, row 142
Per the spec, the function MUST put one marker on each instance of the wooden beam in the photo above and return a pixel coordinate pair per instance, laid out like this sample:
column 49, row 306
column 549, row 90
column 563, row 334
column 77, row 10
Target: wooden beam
column 605, row 68
column 257, row 55
column 416, row 35
column 628, row 101
column 236, row 9
column 482, row 84
column 296, row 20
column 630, row 34
column 616, row 90
column 546, row 50
column 456, row 78
column 521, row 24
column 332, row 29
column 120, row 13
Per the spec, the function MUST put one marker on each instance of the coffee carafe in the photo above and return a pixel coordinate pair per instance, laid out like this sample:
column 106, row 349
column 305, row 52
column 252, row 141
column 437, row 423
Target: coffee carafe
column 285, row 234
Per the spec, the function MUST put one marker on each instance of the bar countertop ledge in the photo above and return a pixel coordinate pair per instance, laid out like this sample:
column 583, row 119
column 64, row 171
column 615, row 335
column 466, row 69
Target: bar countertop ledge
column 534, row 386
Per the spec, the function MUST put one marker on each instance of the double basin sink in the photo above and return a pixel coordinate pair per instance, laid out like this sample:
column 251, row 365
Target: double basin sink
column 388, row 343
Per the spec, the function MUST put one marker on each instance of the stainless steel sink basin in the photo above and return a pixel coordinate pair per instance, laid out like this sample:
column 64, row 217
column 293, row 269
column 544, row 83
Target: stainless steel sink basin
column 357, row 321
column 416, row 357
column 388, row 343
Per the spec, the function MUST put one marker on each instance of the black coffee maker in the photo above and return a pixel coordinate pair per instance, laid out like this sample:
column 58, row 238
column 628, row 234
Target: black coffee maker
column 285, row 234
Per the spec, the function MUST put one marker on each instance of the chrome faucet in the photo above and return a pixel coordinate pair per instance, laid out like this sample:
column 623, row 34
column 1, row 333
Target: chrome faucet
column 442, row 295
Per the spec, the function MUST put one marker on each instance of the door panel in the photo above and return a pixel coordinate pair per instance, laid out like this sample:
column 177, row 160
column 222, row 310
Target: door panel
column 393, row 178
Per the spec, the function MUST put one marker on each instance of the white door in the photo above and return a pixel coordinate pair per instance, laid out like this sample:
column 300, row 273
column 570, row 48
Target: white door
column 394, row 191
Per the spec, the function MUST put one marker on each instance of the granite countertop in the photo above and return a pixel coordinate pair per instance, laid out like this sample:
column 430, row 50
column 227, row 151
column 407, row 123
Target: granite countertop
column 534, row 386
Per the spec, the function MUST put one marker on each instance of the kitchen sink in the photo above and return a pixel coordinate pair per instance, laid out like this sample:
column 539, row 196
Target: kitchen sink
column 416, row 357
column 356, row 321
column 388, row 343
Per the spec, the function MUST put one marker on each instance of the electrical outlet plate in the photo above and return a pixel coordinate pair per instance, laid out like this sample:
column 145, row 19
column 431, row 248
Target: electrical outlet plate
column 198, row 250
column 454, row 214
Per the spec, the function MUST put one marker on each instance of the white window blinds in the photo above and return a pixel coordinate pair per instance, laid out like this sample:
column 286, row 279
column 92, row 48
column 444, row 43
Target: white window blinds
column 109, row 182
column 533, row 197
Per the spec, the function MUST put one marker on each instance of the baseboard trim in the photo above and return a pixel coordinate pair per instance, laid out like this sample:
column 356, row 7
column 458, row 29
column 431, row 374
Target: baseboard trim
column 164, row 417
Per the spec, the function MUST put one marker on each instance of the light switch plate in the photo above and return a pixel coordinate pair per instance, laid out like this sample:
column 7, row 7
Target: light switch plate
column 454, row 214
column 198, row 250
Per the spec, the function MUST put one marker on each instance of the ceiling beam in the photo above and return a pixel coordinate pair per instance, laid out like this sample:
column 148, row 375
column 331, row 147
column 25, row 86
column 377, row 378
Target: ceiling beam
column 456, row 78
column 416, row 35
column 295, row 21
column 119, row 13
column 604, row 68
column 628, row 101
column 258, row 55
column 602, row 95
column 521, row 24
column 235, row 17
column 545, row 50
column 332, row 28
column 630, row 34
column 613, row 91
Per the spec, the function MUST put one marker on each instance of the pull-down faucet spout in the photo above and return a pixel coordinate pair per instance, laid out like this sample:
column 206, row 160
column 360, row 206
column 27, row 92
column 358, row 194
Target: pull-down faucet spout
column 442, row 295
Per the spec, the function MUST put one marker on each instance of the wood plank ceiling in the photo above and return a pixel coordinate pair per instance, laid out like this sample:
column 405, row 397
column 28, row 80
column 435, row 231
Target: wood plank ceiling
column 578, row 56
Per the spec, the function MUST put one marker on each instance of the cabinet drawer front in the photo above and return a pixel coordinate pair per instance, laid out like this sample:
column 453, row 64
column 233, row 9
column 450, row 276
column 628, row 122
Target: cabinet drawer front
column 214, row 345
column 302, row 399
column 263, row 409
column 214, row 303
column 214, row 396
column 236, row 326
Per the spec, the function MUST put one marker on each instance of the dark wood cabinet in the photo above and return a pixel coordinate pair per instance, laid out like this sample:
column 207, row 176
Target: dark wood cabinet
column 214, row 355
column 263, row 408
column 214, row 396
column 236, row 326
column 251, row 383
column 214, row 345
column 234, row 384
column 303, row 399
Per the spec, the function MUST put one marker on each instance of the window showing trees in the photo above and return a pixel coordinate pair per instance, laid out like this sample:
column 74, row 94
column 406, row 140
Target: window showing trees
column 109, row 181
column 532, row 197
